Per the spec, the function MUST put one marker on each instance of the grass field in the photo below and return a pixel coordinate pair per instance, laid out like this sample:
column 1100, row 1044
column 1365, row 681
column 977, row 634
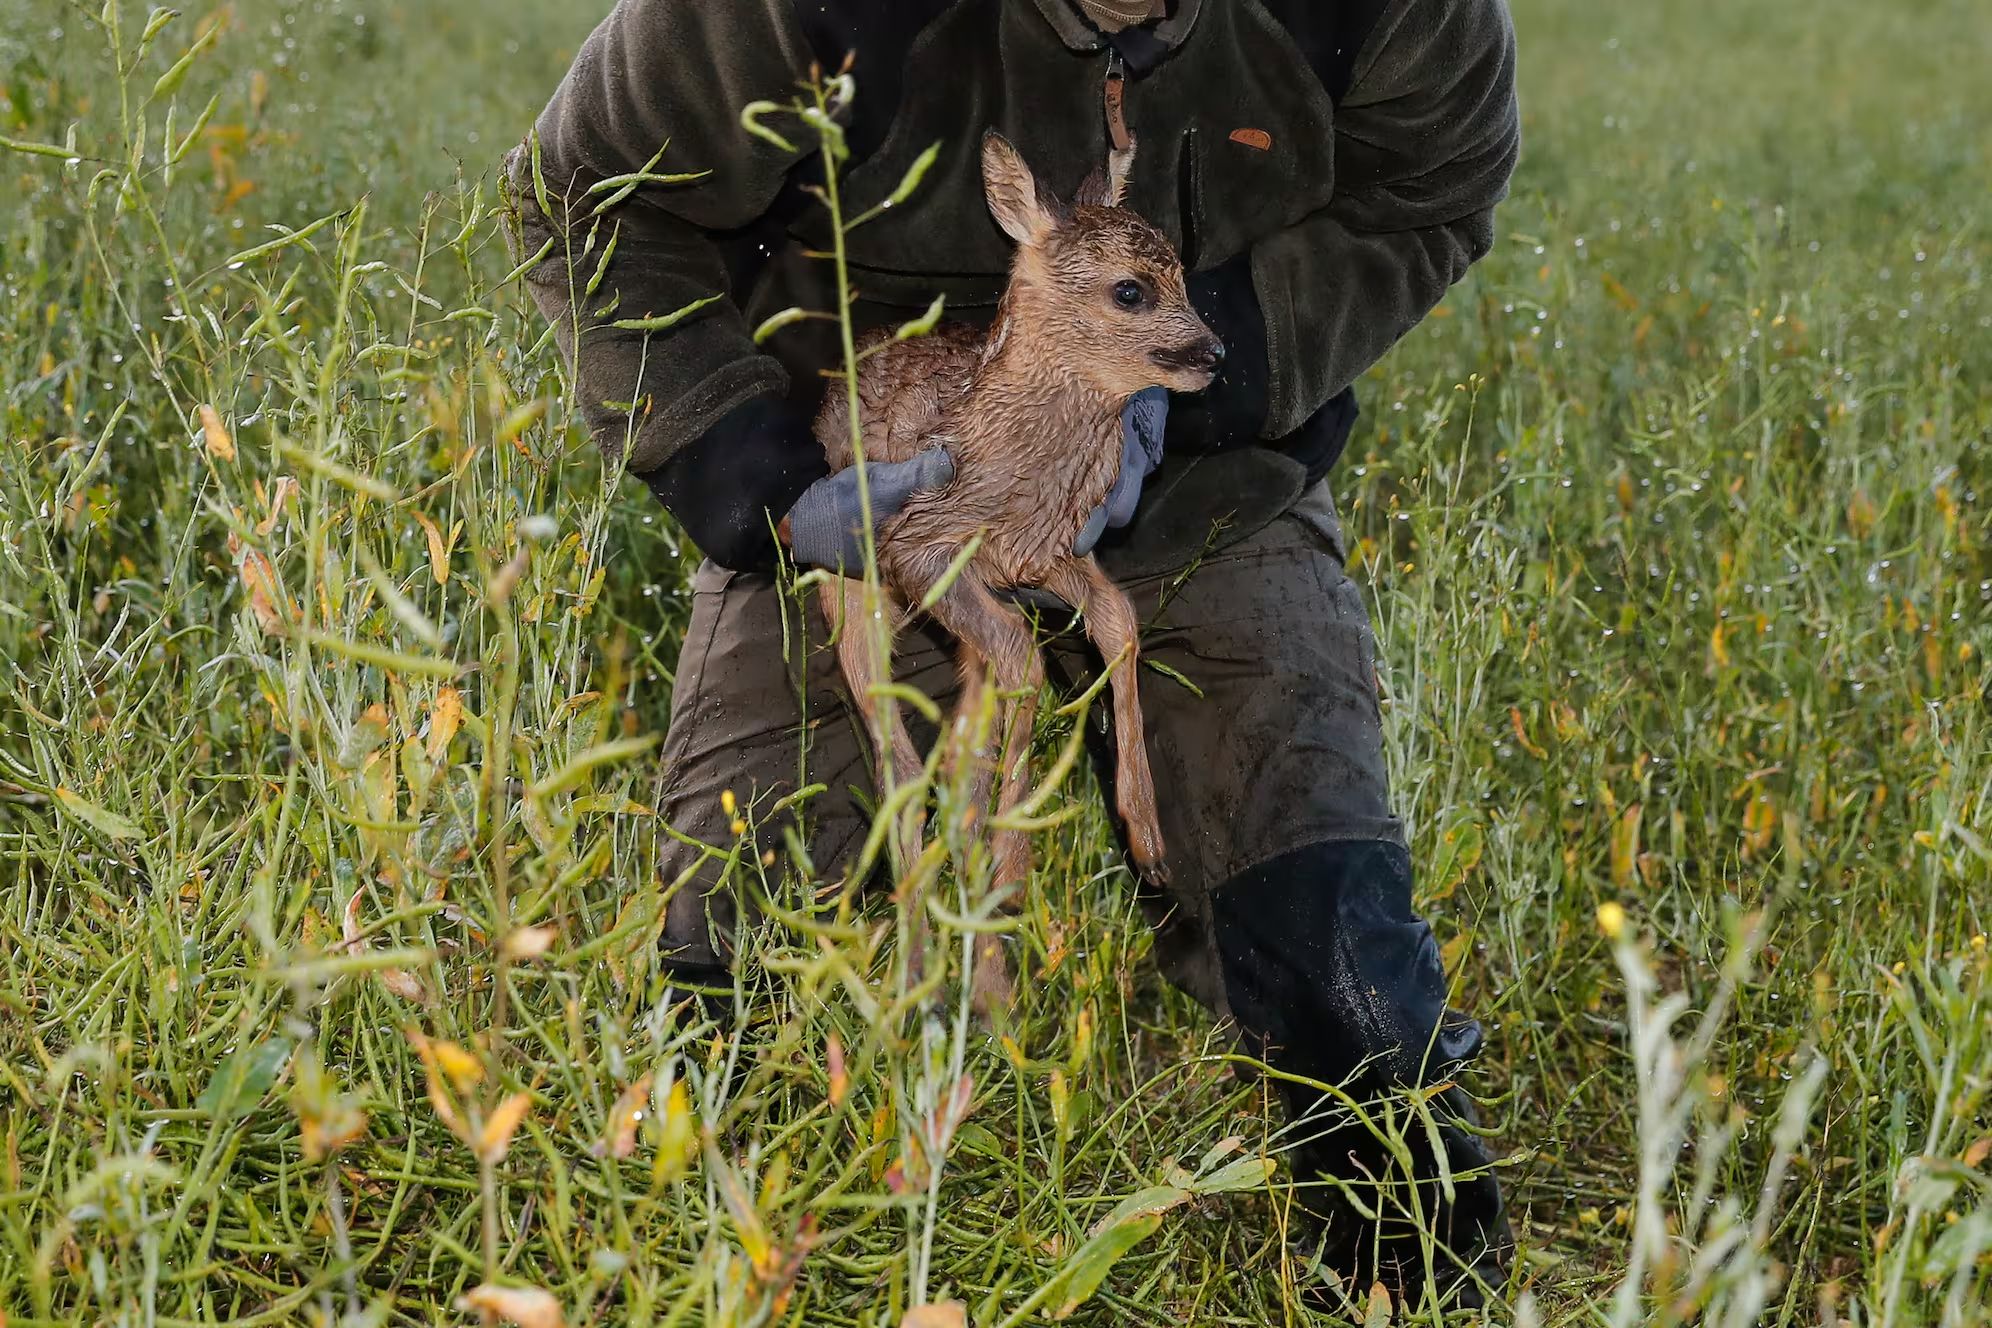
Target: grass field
column 327, row 978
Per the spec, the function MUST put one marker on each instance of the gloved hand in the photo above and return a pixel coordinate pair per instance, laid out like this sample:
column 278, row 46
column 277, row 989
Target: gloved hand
column 1143, row 422
column 826, row 527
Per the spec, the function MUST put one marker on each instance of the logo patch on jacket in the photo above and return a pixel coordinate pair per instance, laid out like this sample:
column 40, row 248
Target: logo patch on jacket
column 1256, row 139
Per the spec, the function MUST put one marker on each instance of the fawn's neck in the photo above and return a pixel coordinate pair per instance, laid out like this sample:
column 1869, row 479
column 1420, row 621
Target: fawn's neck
column 1028, row 409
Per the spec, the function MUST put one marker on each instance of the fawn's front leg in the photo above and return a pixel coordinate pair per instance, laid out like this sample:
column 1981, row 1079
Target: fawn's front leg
column 1114, row 630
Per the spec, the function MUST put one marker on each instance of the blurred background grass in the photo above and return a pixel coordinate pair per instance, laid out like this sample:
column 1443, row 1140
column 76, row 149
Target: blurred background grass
column 1675, row 518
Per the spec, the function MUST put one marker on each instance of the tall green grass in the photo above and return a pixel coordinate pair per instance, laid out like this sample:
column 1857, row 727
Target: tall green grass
column 327, row 972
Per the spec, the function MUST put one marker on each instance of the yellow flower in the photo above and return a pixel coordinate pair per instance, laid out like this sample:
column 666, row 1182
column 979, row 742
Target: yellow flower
column 1611, row 919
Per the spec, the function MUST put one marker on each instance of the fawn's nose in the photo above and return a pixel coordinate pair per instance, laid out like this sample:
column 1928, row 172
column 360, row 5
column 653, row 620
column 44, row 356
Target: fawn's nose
column 1201, row 356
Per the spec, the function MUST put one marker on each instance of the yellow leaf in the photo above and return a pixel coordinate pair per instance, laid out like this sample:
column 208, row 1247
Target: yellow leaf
column 1625, row 845
column 219, row 444
column 527, row 1307
column 495, row 1139
column 444, row 718
column 679, row 1137
column 464, row 1070
column 1718, row 647
column 1978, row 1152
column 438, row 1099
column 439, row 547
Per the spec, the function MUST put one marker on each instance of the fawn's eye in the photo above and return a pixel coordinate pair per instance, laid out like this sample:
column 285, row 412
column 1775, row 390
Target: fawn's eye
column 1129, row 294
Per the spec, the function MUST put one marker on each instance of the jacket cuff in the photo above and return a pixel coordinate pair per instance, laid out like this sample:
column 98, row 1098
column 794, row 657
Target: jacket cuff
column 1232, row 410
column 730, row 486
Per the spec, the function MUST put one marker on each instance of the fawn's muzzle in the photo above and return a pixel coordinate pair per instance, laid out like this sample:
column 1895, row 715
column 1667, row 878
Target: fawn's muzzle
column 1198, row 357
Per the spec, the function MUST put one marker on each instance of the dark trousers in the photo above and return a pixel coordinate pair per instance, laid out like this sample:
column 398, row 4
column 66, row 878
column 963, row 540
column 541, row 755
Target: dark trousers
column 1289, row 908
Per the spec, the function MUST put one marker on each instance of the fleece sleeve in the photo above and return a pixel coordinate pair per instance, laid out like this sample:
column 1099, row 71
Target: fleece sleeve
column 1426, row 140
column 696, row 408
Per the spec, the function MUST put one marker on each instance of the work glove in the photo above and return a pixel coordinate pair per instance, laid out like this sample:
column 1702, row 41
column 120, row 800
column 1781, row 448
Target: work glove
column 826, row 527
column 1143, row 422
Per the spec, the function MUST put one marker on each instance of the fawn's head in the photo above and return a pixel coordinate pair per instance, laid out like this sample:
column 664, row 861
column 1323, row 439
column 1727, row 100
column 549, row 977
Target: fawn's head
column 1097, row 284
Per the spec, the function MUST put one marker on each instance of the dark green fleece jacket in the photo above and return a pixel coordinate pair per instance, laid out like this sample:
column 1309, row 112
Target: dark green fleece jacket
column 1327, row 167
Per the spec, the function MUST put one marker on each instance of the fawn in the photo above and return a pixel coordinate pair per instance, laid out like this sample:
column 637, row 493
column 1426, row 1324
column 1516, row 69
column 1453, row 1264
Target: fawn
column 1030, row 411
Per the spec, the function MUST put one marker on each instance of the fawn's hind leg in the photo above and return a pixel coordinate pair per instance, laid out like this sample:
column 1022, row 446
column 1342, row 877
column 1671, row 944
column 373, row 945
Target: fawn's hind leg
column 1112, row 627
column 844, row 605
column 992, row 631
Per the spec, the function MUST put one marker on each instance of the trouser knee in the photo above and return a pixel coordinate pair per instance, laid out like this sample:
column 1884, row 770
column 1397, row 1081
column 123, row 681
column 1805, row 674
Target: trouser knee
column 1331, row 975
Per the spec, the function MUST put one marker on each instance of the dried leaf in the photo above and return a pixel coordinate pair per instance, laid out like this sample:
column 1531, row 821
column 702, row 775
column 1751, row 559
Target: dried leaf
column 259, row 579
column 352, row 939
column 840, row 1081
column 1861, row 514
column 1378, row 1315
column 528, row 1307
column 219, row 444
column 1978, row 1152
column 619, row 1140
column 404, row 984
column 282, row 491
column 495, row 1139
column 325, row 1133
column 529, row 943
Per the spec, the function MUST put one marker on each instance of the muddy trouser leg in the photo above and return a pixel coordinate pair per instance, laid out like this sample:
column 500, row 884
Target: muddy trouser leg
column 757, row 703
column 1289, row 908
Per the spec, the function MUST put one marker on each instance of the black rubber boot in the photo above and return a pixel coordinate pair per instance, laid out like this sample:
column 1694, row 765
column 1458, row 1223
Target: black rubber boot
column 1332, row 977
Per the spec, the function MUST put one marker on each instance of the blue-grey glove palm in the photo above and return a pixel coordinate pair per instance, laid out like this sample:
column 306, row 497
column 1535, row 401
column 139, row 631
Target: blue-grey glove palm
column 827, row 525
column 1143, row 422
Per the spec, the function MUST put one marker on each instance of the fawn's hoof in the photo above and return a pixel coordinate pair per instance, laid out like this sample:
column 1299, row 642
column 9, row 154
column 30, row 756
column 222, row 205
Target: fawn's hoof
column 1145, row 850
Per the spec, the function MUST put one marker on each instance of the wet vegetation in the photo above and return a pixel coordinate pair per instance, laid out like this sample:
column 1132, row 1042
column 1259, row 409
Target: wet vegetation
column 334, row 661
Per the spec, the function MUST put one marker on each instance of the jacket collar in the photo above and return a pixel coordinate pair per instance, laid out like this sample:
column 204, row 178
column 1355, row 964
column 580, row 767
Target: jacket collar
column 1079, row 35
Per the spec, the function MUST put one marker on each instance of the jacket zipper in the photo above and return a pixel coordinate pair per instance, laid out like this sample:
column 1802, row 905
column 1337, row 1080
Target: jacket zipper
column 1188, row 186
column 1115, row 94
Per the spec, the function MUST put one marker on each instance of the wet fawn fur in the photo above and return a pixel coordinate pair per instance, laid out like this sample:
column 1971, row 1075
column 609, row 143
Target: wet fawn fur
column 1030, row 411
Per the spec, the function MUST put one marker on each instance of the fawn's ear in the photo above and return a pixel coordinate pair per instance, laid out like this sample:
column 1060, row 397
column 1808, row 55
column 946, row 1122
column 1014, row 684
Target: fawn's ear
column 1013, row 192
column 1108, row 188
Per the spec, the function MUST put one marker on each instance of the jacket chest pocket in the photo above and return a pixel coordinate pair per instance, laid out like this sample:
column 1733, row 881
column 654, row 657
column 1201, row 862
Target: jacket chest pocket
column 1245, row 133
